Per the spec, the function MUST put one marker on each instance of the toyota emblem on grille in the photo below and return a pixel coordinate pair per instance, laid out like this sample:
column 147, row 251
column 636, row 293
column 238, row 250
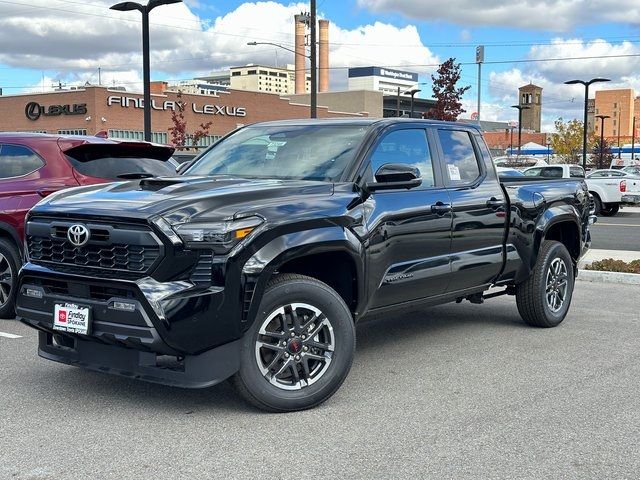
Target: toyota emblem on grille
column 78, row 235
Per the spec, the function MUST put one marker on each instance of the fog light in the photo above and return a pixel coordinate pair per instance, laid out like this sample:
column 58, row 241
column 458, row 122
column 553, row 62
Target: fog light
column 124, row 306
column 32, row 292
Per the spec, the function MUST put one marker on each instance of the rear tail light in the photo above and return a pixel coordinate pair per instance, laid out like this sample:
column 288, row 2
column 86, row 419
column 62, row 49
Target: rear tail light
column 623, row 186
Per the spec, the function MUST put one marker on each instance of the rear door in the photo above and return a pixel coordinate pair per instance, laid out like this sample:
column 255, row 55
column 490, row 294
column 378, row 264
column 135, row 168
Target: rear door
column 409, row 231
column 479, row 218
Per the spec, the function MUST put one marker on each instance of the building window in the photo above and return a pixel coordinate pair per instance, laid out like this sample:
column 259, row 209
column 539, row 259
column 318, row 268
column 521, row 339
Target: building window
column 73, row 131
column 263, row 72
column 156, row 137
column 252, row 72
column 236, row 74
column 615, row 114
column 614, row 132
column 615, row 105
column 614, row 122
column 282, row 75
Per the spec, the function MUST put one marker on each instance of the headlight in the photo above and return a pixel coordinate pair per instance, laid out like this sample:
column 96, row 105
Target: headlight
column 211, row 234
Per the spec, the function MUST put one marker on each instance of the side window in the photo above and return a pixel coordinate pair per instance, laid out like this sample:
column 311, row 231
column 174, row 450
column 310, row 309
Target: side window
column 552, row 172
column 408, row 146
column 576, row 172
column 533, row 172
column 16, row 161
column 461, row 164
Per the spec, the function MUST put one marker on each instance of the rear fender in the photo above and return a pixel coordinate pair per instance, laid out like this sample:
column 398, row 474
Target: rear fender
column 552, row 216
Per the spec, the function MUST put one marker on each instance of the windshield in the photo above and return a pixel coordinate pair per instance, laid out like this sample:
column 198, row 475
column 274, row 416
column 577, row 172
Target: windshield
column 309, row 152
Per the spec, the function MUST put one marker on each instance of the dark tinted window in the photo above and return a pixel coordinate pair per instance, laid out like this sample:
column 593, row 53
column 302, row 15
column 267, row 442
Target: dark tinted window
column 461, row 164
column 576, row 172
column 533, row 172
column 408, row 147
column 16, row 161
column 114, row 168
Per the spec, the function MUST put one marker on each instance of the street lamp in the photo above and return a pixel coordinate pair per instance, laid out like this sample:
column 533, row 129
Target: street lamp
column 146, row 75
column 586, row 113
column 548, row 150
column 412, row 92
column 602, row 119
column 314, row 95
column 520, row 108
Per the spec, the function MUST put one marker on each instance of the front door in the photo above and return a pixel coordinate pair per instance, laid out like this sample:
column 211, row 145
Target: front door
column 409, row 231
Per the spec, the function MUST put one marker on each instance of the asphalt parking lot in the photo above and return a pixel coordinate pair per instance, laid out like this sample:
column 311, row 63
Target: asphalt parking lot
column 451, row 392
column 621, row 232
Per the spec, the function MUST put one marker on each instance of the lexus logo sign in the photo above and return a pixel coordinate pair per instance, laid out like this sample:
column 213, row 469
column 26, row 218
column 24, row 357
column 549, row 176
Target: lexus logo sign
column 33, row 110
column 78, row 235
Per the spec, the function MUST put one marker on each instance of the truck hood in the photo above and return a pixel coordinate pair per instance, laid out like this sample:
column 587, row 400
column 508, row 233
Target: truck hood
column 183, row 199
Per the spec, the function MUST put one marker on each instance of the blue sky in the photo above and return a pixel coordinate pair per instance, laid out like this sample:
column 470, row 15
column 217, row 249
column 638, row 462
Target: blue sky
column 46, row 41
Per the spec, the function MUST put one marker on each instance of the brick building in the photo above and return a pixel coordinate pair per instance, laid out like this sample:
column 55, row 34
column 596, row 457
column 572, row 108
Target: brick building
column 619, row 105
column 93, row 109
column 501, row 140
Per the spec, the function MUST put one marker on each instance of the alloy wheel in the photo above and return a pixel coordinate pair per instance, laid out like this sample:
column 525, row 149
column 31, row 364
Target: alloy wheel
column 6, row 280
column 295, row 346
column 556, row 285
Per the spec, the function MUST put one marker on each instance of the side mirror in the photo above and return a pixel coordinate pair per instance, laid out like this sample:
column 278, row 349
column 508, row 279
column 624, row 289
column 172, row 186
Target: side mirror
column 392, row 176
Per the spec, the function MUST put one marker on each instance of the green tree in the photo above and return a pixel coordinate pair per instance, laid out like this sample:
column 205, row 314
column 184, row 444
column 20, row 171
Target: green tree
column 567, row 140
column 447, row 95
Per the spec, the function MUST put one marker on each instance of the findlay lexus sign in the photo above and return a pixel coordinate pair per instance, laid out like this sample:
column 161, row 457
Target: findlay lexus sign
column 206, row 109
column 33, row 110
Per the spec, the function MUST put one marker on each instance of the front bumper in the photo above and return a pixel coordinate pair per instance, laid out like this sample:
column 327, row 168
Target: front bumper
column 191, row 371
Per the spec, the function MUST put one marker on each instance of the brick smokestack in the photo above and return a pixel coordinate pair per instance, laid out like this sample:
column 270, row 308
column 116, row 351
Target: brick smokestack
column 300, row 60
column 323, row 61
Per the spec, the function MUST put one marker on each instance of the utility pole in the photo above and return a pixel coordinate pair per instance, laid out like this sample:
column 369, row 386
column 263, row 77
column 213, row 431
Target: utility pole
column 314, row 62
column 398, row 104
column 633, row 138
column 479, row 60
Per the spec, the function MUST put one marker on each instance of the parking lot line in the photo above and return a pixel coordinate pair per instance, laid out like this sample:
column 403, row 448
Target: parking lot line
column 9, row 335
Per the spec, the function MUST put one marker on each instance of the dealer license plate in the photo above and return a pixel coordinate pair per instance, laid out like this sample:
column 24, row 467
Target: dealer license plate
column 69, row 317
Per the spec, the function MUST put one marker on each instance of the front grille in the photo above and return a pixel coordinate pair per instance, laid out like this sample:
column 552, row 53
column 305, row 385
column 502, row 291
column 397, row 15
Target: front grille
column 134, row 249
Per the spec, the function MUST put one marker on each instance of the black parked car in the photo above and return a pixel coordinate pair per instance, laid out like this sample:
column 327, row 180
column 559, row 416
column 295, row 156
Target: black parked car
column 257, row 263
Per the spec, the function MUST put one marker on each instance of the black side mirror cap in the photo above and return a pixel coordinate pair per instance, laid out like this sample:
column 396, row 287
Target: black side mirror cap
column 394, row 176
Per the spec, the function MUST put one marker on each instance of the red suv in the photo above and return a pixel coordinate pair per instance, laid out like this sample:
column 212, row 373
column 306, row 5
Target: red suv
column 33, row 166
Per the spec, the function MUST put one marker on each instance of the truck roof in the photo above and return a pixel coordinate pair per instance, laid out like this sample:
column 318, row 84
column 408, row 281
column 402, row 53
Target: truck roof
column 366, row 121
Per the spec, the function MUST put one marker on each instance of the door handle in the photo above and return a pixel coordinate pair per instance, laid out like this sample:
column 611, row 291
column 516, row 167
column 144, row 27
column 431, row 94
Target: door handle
column 494, row 203
column 440, row 208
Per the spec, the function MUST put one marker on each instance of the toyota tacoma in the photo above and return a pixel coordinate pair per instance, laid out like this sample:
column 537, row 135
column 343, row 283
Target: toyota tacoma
column 256, row 263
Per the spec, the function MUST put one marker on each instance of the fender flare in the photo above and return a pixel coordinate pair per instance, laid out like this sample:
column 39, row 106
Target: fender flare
column 13, row 234
column 551, row 217
column 259, row 268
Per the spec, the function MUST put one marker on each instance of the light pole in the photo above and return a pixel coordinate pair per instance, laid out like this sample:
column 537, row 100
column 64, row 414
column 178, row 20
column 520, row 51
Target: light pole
column 511, row 142
column 413, row 94
column 314, row 89
column 146, row 70
column 586, row 113
column 602, row 119
column 548, row 150
column 520, row 108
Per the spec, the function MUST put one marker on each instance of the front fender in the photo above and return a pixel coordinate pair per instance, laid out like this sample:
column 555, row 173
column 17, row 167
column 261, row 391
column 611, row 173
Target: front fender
column 259, row 268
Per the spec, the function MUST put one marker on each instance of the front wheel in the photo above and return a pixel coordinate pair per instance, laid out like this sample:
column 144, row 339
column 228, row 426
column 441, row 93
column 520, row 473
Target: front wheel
column 543, row 299
column 9, row 264
column 299, row 349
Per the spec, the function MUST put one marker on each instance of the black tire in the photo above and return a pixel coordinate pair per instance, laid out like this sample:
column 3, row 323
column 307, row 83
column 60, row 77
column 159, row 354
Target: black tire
column 609, row 209
column 597, row 203
column 261, row 387
column 531, row 295
column 9, row 264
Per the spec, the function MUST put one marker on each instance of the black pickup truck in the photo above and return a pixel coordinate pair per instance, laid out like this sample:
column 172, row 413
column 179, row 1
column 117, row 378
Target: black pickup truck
column 256, row 262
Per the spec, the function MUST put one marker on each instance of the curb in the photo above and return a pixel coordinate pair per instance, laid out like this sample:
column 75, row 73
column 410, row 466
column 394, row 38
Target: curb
column 609, row 277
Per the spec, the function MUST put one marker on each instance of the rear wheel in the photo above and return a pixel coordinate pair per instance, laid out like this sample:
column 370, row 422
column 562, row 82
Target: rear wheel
column 299, row 349
column 9, row 264
column 597, row 205
column 609, row 209
column 543, row 299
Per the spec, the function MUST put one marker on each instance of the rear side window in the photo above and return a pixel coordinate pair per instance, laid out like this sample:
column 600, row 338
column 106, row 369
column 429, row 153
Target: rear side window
column 18, row 161
column 533, row 172
column 461, row 164
column 576, row 172
column 409, row 147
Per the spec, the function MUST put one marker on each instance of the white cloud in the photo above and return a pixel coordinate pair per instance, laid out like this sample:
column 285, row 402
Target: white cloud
column 557, row 15
column 75, row 40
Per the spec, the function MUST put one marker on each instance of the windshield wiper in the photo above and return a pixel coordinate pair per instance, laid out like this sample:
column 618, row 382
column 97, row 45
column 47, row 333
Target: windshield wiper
column 135, row 175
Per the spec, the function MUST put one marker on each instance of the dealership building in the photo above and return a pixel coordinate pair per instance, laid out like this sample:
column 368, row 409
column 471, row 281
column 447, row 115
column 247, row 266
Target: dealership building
column 94, row 109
